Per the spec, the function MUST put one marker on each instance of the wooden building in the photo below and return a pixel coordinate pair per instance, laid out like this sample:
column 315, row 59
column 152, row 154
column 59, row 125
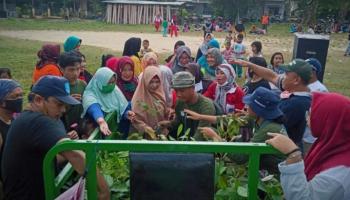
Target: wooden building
column 138, row 12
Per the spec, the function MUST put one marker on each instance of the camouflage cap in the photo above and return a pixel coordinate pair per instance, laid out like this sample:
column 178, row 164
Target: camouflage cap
column 183, row 80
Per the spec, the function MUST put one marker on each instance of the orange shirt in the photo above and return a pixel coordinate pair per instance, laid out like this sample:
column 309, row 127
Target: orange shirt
column 49, row 69
column 265, row 19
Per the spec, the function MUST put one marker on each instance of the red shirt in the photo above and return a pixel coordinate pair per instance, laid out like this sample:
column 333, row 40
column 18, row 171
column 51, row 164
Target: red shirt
column 233, row 97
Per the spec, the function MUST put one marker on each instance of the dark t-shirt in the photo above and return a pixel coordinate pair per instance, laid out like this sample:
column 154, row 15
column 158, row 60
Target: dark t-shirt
column 3, row 132
column 29, row 138
column 294, row 109
column 250, row 87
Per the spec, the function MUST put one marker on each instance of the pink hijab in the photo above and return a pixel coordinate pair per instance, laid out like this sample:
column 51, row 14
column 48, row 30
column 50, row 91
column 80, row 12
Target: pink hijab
column 150, row 107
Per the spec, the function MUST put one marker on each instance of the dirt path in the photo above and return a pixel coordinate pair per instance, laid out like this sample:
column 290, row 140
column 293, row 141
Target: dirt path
column 111, row 40
column 115, row 40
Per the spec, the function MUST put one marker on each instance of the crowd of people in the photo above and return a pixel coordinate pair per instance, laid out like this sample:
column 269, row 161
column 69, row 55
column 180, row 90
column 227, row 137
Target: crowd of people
column 288, row 106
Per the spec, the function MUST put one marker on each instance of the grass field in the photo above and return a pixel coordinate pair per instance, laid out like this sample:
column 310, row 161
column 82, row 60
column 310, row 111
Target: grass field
column 93, row 25
column 20, row 55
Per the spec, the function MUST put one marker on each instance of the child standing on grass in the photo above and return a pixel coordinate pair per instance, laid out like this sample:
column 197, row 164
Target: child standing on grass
column 146, row 49
column 173, row 28
column 228, row 37
column 165, row 28
column 239, row 50
column 227, row 53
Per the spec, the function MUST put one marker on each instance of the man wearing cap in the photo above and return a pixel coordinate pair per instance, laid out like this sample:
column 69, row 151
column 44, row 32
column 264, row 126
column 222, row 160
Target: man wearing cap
column 315, row 85
column 33, row 134
column 296, row 98
column 188, row 98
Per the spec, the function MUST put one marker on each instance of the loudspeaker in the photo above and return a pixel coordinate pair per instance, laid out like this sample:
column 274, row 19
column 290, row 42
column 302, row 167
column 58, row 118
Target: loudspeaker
column 312, row 46
column 171, row 176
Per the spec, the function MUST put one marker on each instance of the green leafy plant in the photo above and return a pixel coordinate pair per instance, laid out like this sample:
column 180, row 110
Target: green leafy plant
column 228, row 126
column 115, row 168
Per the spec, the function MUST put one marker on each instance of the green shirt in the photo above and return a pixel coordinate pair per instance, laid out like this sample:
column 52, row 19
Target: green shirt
column 74, row 112
column 203, row 106
column 268, row 162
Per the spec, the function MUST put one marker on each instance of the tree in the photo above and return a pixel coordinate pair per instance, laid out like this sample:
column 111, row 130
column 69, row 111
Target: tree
column 231, row 8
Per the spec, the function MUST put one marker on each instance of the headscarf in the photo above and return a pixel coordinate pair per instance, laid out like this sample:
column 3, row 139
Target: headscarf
column 6, row 87
column 204, row 47
column 132, row 47
column 167, row 77
column 149, row 107
column 213, row 43
column 49, row 53
column 110, row 102
column 179, row 51
column 195, row 70
column 330, row 124
column 71, row 43
column 147, row 57
column 128, row 87
column 219, row 59
column 112, row 63
column 221, row 90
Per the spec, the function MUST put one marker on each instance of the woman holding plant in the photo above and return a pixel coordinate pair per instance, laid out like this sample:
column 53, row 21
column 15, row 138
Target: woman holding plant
column 148, row 103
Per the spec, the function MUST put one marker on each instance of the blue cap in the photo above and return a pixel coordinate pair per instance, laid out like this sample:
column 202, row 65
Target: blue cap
column 315, row 64
column 264, row 103
column 54, row 86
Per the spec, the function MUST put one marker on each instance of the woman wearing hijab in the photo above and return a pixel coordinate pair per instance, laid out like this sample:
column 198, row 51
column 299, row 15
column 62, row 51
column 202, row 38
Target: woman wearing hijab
column 47, row 64
column 195, row 70
column 171, row 58
column 151, row 59
column 102, row 96
column 202, row 50
column 126, row 81
column 112, row 63
column 132, row 48
column 208, row 64
column 327, row 165
column 224, row 91
column 149, row 101
column 72, row 43
column 183, row 57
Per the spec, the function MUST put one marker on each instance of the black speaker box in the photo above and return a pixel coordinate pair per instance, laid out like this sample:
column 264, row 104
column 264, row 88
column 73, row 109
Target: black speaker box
column 312, row 46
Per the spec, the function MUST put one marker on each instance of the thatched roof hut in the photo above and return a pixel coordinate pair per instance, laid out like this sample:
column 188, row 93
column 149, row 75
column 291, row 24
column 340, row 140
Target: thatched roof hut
column 138, row 12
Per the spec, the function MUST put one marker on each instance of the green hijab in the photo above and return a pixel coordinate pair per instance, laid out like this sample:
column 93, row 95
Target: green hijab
column 109, row 102
column 71, row 43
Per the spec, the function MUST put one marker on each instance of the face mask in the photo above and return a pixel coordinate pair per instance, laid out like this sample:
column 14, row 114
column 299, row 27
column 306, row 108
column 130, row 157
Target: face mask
column 14, row 105
column 108, row 88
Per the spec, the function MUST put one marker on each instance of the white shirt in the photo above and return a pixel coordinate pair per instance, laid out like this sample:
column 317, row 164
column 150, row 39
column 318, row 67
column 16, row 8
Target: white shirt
column 316, row 86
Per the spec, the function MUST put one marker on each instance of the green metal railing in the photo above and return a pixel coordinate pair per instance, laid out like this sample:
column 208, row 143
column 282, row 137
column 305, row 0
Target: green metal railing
column 52, row 185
